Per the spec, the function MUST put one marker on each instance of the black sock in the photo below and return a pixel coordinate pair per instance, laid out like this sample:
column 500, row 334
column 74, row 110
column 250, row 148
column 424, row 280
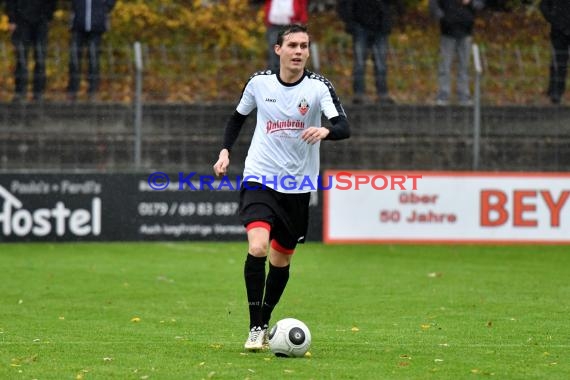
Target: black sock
column 254, row 274
column 274, row 287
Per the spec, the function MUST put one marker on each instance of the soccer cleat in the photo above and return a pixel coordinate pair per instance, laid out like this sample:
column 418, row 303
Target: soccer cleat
column 255, row 339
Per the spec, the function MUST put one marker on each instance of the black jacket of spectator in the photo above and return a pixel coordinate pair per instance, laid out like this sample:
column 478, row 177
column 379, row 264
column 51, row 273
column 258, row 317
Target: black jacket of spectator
column 30, row 11
column 455, row 18
column 91, row 20
column 557, row 13
column 376, row 15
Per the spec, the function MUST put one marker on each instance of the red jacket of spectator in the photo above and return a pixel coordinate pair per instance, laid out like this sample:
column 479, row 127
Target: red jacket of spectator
column 297, row 12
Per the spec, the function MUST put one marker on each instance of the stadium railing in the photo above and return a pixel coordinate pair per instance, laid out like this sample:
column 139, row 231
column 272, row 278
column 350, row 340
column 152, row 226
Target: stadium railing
column 187, row 92
column 192, row 74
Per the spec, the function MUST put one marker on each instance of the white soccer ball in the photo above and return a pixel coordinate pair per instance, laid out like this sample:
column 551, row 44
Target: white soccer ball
column 289, row 337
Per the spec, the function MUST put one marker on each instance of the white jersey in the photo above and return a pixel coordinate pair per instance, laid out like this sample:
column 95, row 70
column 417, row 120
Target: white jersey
column 277, row 155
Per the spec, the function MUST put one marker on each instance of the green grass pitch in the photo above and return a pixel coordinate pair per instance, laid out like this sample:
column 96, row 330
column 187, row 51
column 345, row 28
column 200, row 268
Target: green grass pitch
column 178, row 311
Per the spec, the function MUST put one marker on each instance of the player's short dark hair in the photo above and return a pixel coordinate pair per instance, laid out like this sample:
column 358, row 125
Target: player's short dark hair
column 288, row 29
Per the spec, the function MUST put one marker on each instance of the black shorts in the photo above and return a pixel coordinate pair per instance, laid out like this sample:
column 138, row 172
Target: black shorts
column 288, row 214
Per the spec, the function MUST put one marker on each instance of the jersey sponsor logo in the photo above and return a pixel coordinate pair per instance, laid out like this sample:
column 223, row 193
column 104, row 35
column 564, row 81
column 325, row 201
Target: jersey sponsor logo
column 303, row 106
column 271, row 100
column 281, row 125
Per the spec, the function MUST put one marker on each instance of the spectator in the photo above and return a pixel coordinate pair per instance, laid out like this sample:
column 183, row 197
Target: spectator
column 370, row 23
column 89, row 22
column 29, row 24
column 456, row 19
column 277, row 14
column 557, row 13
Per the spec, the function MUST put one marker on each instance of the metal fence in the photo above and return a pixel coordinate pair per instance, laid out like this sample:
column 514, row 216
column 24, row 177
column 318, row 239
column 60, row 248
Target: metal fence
column 193, row 74
column 181, row 109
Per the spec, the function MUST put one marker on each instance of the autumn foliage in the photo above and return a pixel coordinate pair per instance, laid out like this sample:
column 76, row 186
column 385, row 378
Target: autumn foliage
column 200, row 50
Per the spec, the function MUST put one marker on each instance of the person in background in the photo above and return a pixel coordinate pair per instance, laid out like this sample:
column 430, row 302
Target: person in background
column 277, row 14
column 456, row 19
column 557, row 13
column 369, row 22
column 29, row 25
column 90, row 19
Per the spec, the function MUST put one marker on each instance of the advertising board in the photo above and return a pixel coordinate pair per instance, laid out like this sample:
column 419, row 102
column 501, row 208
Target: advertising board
column 446, row 207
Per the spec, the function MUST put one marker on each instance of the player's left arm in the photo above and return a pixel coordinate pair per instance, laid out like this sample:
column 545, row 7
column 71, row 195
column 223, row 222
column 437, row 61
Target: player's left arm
column 332, row 108
column 338, row 130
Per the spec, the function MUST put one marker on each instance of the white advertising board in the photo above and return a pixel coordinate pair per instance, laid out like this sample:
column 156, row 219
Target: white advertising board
column 446, row 207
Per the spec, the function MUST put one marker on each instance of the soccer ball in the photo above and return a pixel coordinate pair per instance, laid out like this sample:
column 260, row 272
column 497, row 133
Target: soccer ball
column 289, row 338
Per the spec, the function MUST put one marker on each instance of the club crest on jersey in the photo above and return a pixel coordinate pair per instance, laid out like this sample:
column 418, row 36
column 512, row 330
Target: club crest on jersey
column 303, row 106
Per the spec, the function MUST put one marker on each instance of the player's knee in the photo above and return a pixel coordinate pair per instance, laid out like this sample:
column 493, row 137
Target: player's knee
column 258, row 248
column 279, row 259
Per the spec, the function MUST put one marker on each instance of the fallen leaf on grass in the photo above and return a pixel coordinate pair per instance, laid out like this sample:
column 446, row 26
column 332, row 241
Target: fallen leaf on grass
column 17, row 362
column 477, row 371
column 164, row 279
column 135, row 319
column 354, row 329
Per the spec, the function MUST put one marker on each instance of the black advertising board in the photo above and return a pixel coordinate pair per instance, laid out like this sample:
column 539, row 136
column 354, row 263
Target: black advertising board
column 121, row 207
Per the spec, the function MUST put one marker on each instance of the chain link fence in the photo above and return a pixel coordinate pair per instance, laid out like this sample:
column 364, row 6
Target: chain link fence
column 192, row 90
column 193, row 74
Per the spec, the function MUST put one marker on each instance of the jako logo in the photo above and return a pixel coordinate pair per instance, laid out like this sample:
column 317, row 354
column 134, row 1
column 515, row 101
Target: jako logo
column 42, row 221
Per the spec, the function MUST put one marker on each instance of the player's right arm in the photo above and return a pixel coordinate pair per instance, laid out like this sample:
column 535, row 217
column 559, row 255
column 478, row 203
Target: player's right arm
column 233, row 128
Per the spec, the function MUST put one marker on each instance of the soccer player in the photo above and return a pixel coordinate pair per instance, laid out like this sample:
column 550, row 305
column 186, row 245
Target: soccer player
column 285, row 143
